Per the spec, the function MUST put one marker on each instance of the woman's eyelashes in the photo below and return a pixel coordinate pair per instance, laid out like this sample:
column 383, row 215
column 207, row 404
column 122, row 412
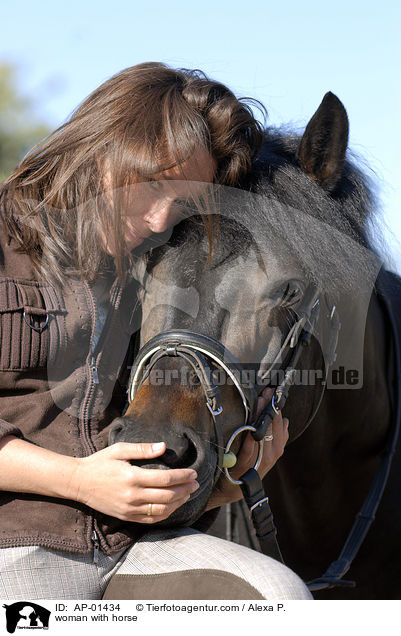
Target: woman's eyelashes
column 155, row 186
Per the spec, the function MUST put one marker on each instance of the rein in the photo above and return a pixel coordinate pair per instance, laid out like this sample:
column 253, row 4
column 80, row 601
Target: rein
column 338, row 568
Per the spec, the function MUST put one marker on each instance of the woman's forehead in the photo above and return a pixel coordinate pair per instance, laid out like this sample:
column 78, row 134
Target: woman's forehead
column 200, row 166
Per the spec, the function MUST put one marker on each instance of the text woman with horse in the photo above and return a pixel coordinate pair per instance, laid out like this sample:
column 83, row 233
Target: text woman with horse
column 74, row 214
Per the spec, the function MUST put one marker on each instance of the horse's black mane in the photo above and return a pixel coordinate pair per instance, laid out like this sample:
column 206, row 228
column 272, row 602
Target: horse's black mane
column 349, row 206
column 327, row 232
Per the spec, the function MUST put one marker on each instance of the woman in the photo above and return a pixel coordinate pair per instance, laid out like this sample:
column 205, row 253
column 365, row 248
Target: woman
column 73, row 214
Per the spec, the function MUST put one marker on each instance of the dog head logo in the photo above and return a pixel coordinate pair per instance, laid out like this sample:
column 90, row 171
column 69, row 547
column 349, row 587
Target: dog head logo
column 26, row 615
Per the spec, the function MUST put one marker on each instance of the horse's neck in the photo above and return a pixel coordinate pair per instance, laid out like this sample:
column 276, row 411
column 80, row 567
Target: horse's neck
column 359, row 414
column 330, row 467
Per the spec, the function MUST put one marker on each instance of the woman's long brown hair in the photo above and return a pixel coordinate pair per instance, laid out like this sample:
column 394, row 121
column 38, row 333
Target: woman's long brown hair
column 140, row 122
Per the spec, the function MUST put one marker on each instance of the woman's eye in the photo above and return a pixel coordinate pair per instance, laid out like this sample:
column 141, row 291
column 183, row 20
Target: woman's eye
column 156, row 186
column 292, row 295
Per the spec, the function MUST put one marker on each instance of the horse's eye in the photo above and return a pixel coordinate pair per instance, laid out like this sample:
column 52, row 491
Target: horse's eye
column 292, row 294
column 182, row 203
column 183, row 208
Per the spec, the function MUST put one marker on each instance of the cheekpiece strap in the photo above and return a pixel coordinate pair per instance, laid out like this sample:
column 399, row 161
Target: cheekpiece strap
column 261, row 514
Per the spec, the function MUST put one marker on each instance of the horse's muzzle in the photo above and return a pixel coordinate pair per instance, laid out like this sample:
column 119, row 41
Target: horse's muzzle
column 184, row 447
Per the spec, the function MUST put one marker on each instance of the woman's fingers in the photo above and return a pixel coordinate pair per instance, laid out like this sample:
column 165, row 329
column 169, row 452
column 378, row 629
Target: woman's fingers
column 274, row 443
column 107, row 482
column 279, row 431
column 156, row 493
column 156, row 478
column 264, row 399
column 272, row 450
column 157, row 512
column 246, row 457
column 148, row 477
column 159, row 504
column 168, row 496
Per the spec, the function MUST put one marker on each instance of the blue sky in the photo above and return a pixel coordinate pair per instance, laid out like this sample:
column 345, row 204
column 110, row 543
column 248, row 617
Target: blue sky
column 286, row 54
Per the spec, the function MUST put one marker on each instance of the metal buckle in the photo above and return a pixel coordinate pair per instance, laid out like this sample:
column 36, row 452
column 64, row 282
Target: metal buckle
column 219, row 410
column 258, row 503
column 171, row 349
column 274, row 407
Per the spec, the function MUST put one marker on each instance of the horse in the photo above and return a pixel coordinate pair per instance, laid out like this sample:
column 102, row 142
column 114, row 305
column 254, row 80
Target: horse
column 286, row 260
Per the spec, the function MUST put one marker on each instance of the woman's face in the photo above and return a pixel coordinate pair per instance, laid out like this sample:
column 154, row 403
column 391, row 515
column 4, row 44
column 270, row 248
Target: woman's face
column 154, row 206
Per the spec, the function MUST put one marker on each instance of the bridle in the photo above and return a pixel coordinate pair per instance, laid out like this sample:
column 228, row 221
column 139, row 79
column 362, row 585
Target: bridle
column 203, row 353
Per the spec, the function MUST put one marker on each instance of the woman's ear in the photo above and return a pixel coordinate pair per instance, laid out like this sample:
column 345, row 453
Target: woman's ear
column 321, row 152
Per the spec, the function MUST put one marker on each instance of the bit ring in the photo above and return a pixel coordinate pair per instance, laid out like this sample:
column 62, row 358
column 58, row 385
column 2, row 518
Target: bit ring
column 228, row 447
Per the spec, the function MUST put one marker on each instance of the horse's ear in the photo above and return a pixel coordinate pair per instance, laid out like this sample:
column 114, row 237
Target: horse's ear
column 322, row 149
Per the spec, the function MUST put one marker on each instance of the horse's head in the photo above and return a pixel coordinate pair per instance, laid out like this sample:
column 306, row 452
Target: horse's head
column 282, row 250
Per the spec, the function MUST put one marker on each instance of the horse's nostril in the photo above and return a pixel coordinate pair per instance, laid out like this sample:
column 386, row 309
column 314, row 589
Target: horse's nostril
column 181, row 454
column 115, row 429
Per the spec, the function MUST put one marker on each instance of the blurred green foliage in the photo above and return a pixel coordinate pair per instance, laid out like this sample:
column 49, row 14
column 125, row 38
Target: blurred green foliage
column 19, row 125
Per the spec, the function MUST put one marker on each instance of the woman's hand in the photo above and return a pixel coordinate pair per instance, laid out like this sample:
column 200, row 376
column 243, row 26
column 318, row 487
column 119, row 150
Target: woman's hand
column 226, row 492
column 107, row 482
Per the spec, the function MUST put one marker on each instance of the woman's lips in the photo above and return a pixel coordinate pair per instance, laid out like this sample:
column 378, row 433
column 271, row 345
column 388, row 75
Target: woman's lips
column 133, row 236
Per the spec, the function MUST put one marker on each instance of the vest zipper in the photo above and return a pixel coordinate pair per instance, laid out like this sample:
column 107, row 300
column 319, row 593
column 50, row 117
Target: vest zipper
column 94, row 350
column 95, row 376
column 95, row 541
column 91, row 390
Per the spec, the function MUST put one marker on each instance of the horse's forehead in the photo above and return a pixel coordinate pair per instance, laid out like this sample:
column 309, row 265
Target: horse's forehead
column 256, row 267
column 240, row 285
column 244, row 277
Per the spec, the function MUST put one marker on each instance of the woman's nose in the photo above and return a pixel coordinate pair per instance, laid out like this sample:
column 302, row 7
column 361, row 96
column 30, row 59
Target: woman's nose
column 159, row 220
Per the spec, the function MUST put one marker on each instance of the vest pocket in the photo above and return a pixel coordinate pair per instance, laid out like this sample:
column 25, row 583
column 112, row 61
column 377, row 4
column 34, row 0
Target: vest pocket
column 32, row 325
